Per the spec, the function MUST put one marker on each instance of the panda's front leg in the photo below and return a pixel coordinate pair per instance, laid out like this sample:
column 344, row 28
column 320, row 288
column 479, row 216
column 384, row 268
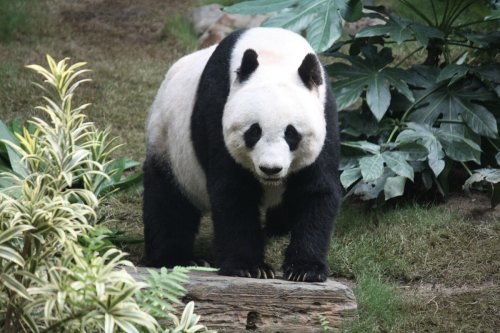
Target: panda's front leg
column 306, row 255
column 239, row 239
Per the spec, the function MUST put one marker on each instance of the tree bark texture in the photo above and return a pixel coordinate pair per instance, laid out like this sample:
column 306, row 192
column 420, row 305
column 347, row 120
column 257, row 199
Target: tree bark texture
column 234, row 304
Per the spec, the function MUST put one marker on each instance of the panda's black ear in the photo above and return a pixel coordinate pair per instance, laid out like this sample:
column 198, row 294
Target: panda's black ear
column 249, row 64
column 310, row 71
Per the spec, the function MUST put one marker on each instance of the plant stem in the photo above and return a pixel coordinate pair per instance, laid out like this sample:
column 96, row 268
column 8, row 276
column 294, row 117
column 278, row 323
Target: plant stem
column 394, row 131
column 455, row 5
column 435, row 13
column 445, row 15
column 403, row 119
column 466, row 45
column 460, row 11
column 417, row 11
column 493, row 144
column 408, row 56
column 466, row 168
column 475, row 22
column 53, row 327
column 10, row 324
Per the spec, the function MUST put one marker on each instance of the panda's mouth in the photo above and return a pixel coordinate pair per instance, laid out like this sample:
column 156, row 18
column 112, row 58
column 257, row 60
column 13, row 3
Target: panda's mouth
column 271, row 181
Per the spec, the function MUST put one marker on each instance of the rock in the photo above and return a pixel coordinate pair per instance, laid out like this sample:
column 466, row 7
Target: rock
column 228, row 23
column 233, row 304
column 352, row 28
column 204, row 17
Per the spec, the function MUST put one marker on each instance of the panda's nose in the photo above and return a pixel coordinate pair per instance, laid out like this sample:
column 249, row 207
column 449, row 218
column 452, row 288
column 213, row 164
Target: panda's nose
column 270, row 171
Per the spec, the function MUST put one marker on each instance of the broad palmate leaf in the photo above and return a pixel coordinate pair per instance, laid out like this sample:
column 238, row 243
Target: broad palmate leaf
column 440, row 143
column 382, row 167
column 491, row 176
column 453, row 103
column 321, row 19
column 401, row 30
column 372, row 74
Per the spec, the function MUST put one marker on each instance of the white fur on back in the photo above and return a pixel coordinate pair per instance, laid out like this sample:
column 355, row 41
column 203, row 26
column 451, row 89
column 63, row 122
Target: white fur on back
column 169, row 125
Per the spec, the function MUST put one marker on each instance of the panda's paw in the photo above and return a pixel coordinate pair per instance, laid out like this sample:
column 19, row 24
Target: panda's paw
column 198, row 262
column 260, row 271
column 305, row 272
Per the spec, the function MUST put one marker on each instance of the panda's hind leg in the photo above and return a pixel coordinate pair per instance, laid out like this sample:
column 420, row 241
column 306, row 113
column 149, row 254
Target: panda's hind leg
column 170, row 220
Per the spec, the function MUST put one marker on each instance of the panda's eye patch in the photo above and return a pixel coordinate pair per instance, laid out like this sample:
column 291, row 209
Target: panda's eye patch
column 292, row 137
column 252, row 135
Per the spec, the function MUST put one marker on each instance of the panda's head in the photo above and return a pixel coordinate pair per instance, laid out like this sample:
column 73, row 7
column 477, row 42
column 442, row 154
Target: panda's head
column 274, row 121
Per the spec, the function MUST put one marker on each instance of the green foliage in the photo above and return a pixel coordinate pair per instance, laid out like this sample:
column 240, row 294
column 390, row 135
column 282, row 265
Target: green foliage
column 178, row 27
column 321, row 19
column 68, row 147
column 49, row 281
column 404, row 123
column 488, row 177
column 164, row 291
column 188, row 322
column 369, row 73
column 325, row 324
column 449, row 110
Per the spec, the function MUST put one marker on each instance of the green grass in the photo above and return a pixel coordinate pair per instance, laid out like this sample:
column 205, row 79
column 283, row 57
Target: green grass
column 178, row 27
column 14, row 18
column 380, row 306
column 414, row 245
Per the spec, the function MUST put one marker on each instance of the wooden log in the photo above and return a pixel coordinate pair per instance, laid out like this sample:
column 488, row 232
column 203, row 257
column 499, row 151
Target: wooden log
column 233, row 304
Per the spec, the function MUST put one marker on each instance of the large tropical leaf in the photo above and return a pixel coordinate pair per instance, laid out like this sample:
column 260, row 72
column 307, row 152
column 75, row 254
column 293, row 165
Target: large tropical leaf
column 440, row 143
column 372, row 74
column 453, row 102
column 401, row 30
column 321, row 19
column 382, row 167
column 13, row 156
column 486, row 40
column 491, row 176
column 495, row 15
column 372, row 167
column 259, row 6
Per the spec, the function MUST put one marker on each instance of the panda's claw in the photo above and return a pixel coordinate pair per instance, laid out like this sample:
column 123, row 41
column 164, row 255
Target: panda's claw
column 198, row 262
column 305, row 272
column 259, row 271
column 242, row 273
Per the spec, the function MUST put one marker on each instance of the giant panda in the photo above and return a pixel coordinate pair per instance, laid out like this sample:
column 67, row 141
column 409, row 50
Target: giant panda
column 245, row 130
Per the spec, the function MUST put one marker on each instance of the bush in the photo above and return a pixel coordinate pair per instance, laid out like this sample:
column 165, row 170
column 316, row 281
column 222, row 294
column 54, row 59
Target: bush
column 420, row 122
column 58, row 168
